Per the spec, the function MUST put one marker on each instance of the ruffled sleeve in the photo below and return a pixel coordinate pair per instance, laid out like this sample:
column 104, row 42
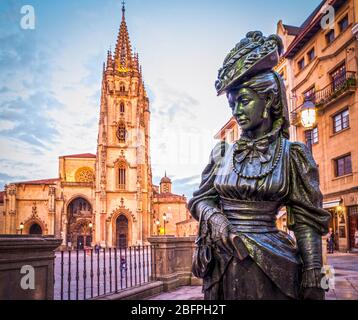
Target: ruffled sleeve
column 305, row 214
column 205, row 200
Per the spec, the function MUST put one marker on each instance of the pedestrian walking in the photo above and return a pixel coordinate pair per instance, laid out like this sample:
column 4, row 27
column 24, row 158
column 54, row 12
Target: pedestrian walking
column 123, row 267
column 330, row 241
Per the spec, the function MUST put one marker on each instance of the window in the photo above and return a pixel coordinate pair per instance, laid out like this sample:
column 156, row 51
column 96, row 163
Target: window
column 309, row 94
column 341, row 121
column 343, row 165
column 308, row 139
column 315, row 135
column 338, row 77
column 301, row 64
column 311, row 137
column 122, row 87
column 311, row 55
column 121, row 133
column 121, row 108
column 343, row 23
column 122, row 178
column 330, row 37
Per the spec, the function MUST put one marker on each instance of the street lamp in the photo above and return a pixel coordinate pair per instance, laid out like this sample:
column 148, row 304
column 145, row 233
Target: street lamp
column 21, row 227
column 308, row 114
column 164, row 220
column 90, row 225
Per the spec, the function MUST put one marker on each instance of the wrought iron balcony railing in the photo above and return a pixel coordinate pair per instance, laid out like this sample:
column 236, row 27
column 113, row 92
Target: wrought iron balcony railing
column 342, row 84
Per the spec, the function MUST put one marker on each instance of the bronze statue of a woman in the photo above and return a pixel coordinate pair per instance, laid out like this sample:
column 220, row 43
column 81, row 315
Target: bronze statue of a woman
column 240, row 252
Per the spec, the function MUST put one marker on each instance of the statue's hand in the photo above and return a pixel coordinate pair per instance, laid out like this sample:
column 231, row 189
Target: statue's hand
column 219, row 227
column 312, row 294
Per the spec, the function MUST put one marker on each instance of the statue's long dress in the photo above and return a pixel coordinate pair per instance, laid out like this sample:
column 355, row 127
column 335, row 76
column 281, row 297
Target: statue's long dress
column 275, row 265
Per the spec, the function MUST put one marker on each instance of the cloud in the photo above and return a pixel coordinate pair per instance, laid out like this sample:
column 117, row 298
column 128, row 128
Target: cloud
column 171, row 104
column 93, row 67
column 27, row 120
column 6, row 179
column 4, row 89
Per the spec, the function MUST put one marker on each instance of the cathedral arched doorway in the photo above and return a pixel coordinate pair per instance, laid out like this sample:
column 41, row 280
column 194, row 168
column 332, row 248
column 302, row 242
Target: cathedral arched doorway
column 35, row 229
column 122, row 231
column 79, row 218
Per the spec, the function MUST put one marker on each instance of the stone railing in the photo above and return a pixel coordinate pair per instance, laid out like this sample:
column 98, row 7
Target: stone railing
column 174, row 260
column 27, row 267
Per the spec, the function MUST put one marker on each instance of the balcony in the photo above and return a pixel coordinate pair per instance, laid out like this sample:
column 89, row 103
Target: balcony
column 342, row 85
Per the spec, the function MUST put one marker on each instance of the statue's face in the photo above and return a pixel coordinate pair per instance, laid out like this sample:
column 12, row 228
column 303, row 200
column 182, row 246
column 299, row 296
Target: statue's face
column 247, row 108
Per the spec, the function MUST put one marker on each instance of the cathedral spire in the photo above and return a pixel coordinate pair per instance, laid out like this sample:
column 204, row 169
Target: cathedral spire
column 123, row 52
column 123, row 10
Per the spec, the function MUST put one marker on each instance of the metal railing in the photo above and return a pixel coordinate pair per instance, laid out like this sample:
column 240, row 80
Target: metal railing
column 89, row 273
column 340, row 85
column 343, row 83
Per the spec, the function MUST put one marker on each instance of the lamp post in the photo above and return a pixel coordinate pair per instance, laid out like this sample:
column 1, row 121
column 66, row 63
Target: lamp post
column 21, row 227
column 164, row 220
column 90, row 225
column 308, row 114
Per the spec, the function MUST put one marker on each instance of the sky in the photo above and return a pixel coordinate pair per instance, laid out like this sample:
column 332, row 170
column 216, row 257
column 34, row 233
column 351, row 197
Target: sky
column 50, row 77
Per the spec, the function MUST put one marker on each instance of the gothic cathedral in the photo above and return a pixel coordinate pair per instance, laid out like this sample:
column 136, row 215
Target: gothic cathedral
column 124, row 184
column 105, row 198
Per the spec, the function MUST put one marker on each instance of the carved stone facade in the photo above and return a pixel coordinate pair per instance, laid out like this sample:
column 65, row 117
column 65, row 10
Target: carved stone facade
column 104, row 198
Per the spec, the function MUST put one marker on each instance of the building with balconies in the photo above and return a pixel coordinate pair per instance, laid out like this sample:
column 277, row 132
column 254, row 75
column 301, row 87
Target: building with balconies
column 320, row 66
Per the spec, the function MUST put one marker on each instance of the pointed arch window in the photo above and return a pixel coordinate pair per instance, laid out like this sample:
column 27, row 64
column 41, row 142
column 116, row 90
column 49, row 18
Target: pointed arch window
column 122, row 133
column 122, row 87
column 121, row 107
column 122, row 178
column 121, row 175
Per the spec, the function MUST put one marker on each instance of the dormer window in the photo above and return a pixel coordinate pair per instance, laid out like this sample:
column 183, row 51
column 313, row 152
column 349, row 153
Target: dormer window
column 343, row 23
column 301, row 64
column 330, row 37
column 311, row 55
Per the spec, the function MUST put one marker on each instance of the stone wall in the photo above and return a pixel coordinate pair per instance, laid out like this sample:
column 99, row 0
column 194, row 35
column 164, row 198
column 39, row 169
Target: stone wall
column 24, row 256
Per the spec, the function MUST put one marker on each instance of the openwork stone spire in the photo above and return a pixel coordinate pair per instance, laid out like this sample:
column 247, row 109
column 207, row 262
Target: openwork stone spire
column 123, row 53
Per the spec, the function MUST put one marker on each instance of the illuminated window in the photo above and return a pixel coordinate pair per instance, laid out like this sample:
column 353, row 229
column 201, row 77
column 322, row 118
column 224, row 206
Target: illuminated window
column 315, row 135
column 310, row 95
column 338, row 77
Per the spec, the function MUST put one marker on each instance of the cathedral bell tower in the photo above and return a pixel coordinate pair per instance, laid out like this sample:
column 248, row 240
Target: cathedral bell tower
column 123, row 170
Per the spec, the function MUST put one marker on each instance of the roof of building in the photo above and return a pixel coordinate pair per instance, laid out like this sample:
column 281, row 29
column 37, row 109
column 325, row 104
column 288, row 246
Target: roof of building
column 2, row 193
column 165, row 179
column 81, row 155
column 228, row 125
column 310, row 27
column 292, row 30
column 39, row 182
column 169, row 195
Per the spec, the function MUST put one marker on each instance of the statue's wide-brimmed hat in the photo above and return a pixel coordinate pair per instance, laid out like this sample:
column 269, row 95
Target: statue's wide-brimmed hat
column 251, row 56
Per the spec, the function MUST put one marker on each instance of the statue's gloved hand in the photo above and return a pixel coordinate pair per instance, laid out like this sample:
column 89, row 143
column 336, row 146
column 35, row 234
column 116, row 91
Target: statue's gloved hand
column 220, row 230
column 312, row 294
